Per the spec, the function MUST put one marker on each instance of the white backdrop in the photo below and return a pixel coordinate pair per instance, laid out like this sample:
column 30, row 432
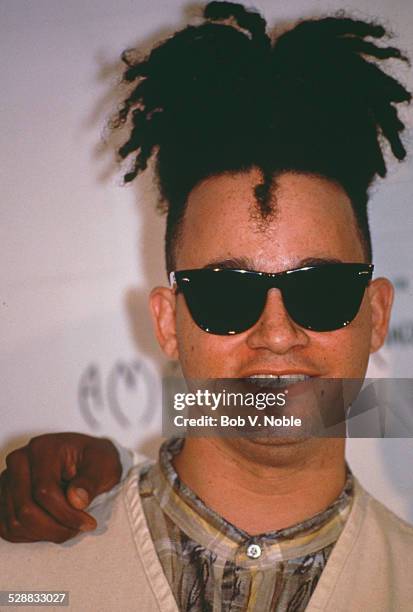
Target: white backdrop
column 79, row 252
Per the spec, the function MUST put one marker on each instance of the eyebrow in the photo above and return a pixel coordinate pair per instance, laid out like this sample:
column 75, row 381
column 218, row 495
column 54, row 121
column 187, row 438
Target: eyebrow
column 244, row 263
column 233, row 263
column 318, row 261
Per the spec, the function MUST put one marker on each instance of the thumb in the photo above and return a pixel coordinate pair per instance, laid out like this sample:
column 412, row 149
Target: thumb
column 98, row 472
column 77, row 493
column 79, row 497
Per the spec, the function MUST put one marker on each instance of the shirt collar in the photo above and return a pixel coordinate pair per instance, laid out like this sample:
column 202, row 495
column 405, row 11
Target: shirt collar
column 208, row 528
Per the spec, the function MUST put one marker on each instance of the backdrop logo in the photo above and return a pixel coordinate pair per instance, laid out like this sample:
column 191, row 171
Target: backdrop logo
column 127, row 391
column 401, row 334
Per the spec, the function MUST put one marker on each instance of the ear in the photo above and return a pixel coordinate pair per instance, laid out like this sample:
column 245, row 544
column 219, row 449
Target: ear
column 162, row 306
column 381, row 293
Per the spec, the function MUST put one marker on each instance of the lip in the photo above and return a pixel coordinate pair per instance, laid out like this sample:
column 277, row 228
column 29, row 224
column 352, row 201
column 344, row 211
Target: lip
column 295, row 388
column 271, row 372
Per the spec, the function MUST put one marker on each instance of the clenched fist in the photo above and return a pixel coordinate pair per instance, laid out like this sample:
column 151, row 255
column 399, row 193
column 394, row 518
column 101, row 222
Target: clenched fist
column 48, row 484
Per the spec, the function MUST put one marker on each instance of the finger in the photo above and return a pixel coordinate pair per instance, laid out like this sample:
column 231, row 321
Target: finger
column 33, row 486
column 96, row 474
column 3, row 511
column 10, row 529
column 2, row 516
column 51, row 498
column 29, row 523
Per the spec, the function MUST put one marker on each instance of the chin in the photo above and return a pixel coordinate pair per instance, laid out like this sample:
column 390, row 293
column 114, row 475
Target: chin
column 269, row 450
column 276, row 441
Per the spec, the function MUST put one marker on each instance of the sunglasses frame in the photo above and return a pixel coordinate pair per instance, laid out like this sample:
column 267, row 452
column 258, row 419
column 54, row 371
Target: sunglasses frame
column 275, row 280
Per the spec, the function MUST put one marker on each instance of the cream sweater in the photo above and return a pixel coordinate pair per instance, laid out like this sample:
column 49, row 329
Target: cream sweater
column 369, row 570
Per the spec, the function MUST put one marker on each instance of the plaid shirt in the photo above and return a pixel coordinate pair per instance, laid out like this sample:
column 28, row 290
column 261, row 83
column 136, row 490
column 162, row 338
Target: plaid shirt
column 211, row 565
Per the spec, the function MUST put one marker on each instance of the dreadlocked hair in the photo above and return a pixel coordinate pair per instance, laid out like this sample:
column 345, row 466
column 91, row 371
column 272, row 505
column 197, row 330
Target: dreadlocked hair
column 220, row 97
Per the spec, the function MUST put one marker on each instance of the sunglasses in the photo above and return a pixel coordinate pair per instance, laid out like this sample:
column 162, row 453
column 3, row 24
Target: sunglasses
column 320, row 298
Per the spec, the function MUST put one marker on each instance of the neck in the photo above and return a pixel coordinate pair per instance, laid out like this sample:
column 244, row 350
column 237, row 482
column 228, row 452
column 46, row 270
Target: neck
column 260, row 488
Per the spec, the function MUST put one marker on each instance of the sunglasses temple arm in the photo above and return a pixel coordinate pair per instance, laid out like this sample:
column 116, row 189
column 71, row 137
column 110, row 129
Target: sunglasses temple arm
column 172, row 281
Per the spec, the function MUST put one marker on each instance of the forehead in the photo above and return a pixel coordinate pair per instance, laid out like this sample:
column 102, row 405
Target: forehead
column 312, row 218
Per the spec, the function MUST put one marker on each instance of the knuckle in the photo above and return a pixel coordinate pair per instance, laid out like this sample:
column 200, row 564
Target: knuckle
column 35, row 444
column 15, row 457
column 42, row 493
column 14, row 525
column 24, row 513
column 106, row 444
column 11, row 530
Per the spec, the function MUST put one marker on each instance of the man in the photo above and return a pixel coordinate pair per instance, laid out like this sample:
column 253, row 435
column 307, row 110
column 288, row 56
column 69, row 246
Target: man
column 264, row 157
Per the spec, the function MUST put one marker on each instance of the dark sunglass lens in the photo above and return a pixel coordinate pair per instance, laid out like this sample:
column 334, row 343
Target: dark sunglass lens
column 223, row 302
column 324, row 298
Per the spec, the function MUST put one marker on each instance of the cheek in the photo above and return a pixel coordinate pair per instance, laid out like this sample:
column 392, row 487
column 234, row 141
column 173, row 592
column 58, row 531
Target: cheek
column 347, row 350
column 204, row 355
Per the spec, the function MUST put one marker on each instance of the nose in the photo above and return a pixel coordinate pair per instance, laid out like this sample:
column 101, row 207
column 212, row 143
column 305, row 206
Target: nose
column 275, row 330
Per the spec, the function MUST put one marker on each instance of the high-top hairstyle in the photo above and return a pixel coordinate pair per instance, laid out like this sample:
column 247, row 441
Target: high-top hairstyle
column 220, row 97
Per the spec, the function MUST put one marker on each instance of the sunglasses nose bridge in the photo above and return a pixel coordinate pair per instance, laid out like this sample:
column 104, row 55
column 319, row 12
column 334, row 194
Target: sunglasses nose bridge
column 268, row 283
column 275, row 331
column 275, row 281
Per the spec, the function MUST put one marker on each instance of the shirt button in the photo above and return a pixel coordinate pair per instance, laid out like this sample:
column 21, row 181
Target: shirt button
column 254, row 551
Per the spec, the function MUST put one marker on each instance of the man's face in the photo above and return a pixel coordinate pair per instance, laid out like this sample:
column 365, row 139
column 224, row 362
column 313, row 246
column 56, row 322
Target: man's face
column 313, row 220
